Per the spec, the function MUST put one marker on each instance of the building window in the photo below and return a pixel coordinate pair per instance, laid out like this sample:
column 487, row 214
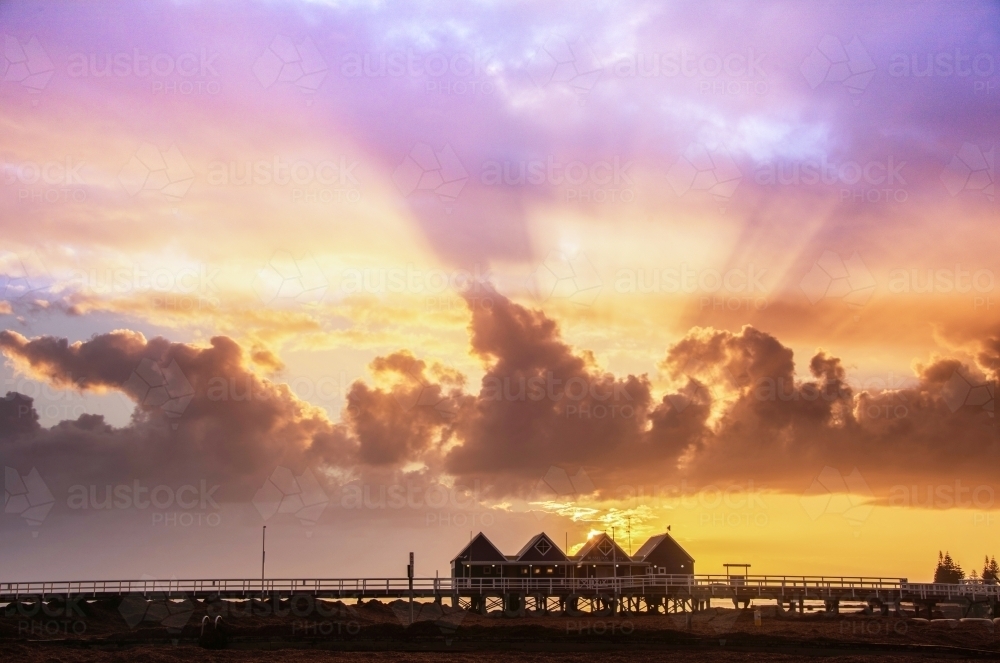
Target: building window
column 543, row 546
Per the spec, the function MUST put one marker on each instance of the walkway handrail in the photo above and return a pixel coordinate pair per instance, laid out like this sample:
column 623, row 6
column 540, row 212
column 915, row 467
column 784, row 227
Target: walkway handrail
column 714, row 584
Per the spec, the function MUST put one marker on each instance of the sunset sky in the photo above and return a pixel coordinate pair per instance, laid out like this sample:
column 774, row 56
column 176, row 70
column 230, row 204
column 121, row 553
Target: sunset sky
column 376, row 276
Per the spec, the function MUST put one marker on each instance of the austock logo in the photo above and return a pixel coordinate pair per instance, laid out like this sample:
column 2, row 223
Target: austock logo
column 151, row 169
column 570, row 64
column 160, row 385
column 557, row 487
column 961, row 391
column 185, row 505
column 174, row 612
column 833, row 493
column 54, row 181
column 334, row 617
column 721, row 621
column 565, row 275
column 27, row 496
column 971, row 169
column 283, row 492
column 445, row 618
column 287, row 279
column 284, row 61
column 834, row 278
column 22, row 276
column 832, row 61
column 438, row 172
column 26, row 63
column 872, row 181
column 330, row 180
column 695, row 390
column 47, row 616
column 708, row 169
column 590, row 181
column 423, row 394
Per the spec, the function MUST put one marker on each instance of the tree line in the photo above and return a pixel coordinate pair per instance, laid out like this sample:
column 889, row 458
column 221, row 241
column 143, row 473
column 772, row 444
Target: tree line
column 950, row 571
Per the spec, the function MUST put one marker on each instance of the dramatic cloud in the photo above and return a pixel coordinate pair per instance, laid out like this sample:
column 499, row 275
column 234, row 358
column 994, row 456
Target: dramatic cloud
column 777, row 428
column 738, row 411
column 412, row 419
column 200, row 412
column 541, row 404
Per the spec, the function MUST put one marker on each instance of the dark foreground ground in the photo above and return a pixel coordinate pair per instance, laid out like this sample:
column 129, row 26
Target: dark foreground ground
column 310, row 630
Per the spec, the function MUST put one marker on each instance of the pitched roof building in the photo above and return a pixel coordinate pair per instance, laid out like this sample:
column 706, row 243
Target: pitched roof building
column 665, row 555
column 600, row 557
column 540, row 548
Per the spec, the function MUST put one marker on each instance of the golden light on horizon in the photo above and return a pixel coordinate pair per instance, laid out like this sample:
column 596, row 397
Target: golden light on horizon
column 769, row 319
